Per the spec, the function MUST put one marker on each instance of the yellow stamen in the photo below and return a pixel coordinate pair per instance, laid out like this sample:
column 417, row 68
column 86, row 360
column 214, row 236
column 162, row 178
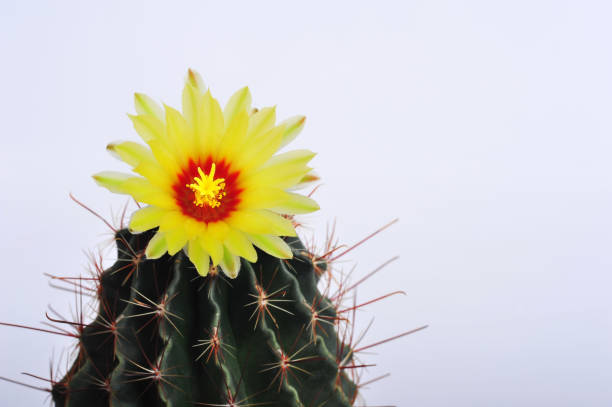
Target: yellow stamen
column 206, row 189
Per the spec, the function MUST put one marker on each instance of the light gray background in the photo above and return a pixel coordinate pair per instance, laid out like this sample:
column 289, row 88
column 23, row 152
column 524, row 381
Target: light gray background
column 484, row 126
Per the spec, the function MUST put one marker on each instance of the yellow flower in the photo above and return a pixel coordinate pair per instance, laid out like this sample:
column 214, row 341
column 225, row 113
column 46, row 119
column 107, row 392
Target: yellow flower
column 211, row 178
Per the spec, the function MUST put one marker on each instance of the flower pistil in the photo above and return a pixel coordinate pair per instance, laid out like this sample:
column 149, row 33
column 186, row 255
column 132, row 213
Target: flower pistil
column 206, row 189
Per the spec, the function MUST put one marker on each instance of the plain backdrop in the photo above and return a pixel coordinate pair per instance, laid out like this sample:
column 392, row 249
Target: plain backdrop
column 484, row 126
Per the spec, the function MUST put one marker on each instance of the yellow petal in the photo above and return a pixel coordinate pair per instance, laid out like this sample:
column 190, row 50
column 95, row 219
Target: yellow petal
column 146, row 218
column 293, row 127
column 156, row 247
column 147, row 106
column 164, row 157
column 263, row 148
column 148, row 127
column 175, row 239
column 261, row 122
column 142, row 160
column 273, row 245
column 143, row 191
column 155, row 174
column 296, row 204
column 212, row 121
column 238, row 103
column 198, row 257
column 195, row 80
column 280, row 176
column 277, row 200
column 112, row 180
column 234, row 140
column 213, row 247
column 192, row 108
column 130, row 153
column 306, row 181
column 193, row 228
column 261, row 222
column 171, row 220
column 218, row 230
column 291, row 158
column 259, row 197
column 179, row 135
column 283, row 170
column 230, row 264
column 237, row 243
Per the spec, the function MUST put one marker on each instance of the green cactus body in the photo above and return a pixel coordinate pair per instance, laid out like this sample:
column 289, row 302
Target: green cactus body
column 164, row 336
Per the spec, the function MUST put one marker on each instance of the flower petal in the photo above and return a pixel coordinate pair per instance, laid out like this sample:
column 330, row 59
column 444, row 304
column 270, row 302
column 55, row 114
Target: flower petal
column 230, row 264
column 146, row 106
column 296, row 204
column 176, row 239
column 141, row 159
column 284, row 170
column 171, row 220
column 308, row 180
column 218, row 230
column 157, row 246
column 291, row 158
column 261, row 122
column 143, row 191
column 112, row 180
column 293, row 127
column 148, row 127
column 195, row 80
column 130, row 152
column 164, row 157
column 178, row 133
column 280, row 176
column 212, row 122
column 273, row 245
column 263, row 148
column 199, row 257
column 234, row 139
column 192, row 110
column 237, row 243
column 260, row 197
column 238, row 103
column 146, row 218
column 155, row 174
column 277, row 200
column 213, row 247
column 193, row 228
column 261, row 222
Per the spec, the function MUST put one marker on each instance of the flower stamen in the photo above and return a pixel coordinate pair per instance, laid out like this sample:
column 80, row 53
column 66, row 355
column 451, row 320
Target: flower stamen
column 207, row 190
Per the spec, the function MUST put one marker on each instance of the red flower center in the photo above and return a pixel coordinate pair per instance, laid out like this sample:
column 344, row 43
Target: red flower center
column 190, row 199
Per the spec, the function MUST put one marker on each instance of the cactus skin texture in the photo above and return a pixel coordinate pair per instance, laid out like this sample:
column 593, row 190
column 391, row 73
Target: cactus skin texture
column 165, row 336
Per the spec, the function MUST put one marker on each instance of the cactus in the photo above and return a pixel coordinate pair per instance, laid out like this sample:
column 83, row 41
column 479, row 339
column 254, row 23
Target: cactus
column 213, row 299
column 165, row 336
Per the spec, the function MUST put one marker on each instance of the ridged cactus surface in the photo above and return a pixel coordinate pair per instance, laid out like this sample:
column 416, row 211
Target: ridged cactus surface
column 165, row 336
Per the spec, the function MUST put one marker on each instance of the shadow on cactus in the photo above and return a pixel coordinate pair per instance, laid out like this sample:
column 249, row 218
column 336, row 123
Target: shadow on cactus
column 213, row 299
